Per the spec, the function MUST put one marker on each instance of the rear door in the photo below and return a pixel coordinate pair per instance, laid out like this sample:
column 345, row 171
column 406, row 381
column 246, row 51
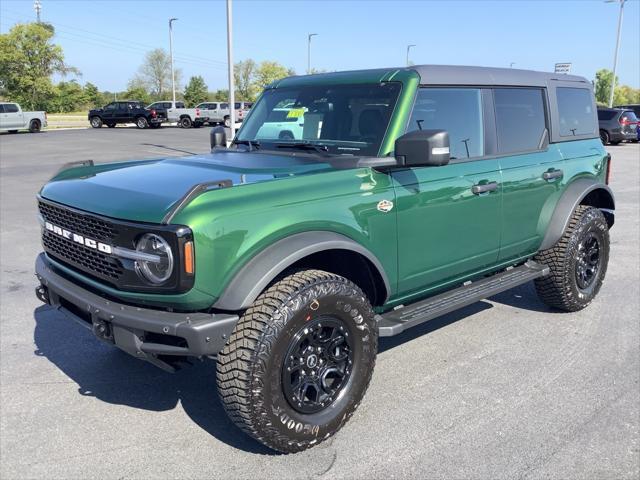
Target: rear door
column 447, row 229
column 532, row 170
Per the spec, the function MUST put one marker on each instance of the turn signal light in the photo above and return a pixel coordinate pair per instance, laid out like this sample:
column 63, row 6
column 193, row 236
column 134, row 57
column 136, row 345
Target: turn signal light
column 189, row 265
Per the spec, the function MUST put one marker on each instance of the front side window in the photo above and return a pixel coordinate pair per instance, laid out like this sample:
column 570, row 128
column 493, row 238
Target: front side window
column 341, row 119
column 456, row 110
column 575, row 111
column 111, row 106
column 11, row 108
column 520, row 118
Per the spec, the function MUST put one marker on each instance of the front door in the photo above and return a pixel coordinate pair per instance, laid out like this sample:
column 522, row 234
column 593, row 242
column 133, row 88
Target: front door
column 449, row 217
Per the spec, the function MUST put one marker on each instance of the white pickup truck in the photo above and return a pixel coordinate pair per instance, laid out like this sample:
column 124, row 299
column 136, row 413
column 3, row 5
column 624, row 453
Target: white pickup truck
column 12, row 119
column 218, row 112
column 177, row 113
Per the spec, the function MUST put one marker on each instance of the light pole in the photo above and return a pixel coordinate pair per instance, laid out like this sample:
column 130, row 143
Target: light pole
column 408, row 48
column 232, row 99
column 173, row 73
column 37, row 6
column 309, row 51
column 615, row 55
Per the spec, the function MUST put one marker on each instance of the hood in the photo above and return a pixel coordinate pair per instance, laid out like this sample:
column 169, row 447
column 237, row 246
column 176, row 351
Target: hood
column 146, row 190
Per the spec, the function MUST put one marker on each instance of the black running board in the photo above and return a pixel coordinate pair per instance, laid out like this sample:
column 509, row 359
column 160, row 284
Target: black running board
column 398, row 320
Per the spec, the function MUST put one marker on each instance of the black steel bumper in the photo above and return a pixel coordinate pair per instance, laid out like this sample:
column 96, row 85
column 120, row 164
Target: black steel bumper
column 156, row 336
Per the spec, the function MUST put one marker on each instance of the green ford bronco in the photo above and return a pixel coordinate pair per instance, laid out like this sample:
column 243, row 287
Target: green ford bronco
column 349, row 206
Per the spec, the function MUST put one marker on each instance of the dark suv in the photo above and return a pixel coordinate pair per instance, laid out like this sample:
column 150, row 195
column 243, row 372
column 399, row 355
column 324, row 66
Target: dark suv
column 617, row 125
column 126, row 111
column 636, row 109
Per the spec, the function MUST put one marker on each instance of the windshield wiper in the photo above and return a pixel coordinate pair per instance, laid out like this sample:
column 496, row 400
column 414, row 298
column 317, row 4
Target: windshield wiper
column 303, row 146
column 250, row 143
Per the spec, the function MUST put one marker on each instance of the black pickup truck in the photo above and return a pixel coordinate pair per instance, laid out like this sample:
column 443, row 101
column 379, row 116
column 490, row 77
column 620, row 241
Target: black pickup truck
column 126, row 111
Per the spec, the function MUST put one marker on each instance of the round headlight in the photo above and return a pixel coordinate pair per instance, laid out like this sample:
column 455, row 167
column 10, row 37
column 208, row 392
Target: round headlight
column 157, row 268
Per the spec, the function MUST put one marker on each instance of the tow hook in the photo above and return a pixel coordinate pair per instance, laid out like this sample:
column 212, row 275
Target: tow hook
column 102, row 330
column 42, row 293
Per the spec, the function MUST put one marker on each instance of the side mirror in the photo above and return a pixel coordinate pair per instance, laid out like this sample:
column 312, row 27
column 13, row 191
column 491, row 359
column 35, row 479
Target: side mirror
column 423, row 148
column 218, row 137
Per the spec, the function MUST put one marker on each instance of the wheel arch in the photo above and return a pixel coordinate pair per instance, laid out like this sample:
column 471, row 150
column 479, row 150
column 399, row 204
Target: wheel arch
column 583, row 191
column 319, row 250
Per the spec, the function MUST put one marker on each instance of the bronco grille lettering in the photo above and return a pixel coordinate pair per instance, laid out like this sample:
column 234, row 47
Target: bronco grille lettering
column 74, row 237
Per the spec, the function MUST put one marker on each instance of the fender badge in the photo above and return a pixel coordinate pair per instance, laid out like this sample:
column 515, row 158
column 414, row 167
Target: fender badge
column 385, row 205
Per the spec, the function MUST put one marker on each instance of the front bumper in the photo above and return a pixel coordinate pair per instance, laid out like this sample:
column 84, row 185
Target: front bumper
column 159, row 337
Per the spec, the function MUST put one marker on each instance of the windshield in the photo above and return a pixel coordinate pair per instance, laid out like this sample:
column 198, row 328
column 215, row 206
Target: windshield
column 346, row 119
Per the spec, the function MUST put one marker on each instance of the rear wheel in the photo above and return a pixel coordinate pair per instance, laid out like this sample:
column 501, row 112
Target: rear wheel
column 96, row 122
column 299, row 361
column 141, row 122
column 111, row 125
column 578, row 262
column 35, row 126
column 185, row 122
column 604, row 137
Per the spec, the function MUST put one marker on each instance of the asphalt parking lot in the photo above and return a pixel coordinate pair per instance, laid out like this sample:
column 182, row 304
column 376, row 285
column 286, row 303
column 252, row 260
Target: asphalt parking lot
column 505, row 388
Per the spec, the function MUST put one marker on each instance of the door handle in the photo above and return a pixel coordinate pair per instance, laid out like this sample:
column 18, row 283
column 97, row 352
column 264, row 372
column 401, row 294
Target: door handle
column 552, row 174
column 484, row 188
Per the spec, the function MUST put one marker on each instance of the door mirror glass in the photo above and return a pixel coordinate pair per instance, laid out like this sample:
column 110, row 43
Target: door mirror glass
column 423, row 148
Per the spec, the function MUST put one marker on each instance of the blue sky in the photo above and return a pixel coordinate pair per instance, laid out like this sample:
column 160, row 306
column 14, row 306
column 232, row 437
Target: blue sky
column 107, row 40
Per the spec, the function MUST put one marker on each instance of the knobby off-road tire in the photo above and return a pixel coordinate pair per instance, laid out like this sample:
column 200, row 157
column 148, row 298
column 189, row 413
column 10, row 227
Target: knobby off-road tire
column 578, row 262
column 306, row 328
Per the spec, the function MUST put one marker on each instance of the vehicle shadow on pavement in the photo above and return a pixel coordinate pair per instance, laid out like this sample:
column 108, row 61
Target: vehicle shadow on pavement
column 108, row 374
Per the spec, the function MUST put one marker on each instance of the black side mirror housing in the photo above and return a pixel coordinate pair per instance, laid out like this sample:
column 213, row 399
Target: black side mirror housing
column 423, row 148
column 218, row 137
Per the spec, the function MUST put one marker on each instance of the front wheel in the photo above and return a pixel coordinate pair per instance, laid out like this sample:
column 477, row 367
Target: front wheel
column 578, row 262
column 299, row 361
column 227, row 122
column 96, row 122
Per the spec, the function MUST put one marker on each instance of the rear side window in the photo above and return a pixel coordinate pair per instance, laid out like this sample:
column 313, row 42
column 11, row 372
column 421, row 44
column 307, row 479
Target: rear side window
column 520, row 118
column 575, row 111
column 456, row 110
column 179, row 105
column 10, row 108
column 224, row 106
column 606, row 114
column 628, row 117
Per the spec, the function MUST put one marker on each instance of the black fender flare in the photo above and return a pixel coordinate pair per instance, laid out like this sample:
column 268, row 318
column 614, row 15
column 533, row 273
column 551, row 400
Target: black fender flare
column 573, row 196
column 260, row 270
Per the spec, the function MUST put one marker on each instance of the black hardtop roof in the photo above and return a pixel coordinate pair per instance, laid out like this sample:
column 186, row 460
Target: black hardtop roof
column 465, row 75
column 443, row 75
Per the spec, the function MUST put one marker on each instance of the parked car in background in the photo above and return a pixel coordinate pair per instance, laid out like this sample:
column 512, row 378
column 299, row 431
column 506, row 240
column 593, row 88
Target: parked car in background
column 125, row 111
column 617, row 125
column 178, row 113
column 636, row 109
column 219, row 112
column 12, row 119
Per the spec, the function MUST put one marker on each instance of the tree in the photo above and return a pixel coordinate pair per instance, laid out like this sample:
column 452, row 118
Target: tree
column 269, row 72
column 603, row 85
column 220, row 95
column 196, row 91
column 243, row 74
column 68, row 97
column 28, row 59
column 155, row 73
column 92, row 94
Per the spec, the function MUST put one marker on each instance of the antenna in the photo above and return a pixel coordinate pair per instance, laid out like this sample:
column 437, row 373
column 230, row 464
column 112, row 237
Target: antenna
column 37, row 6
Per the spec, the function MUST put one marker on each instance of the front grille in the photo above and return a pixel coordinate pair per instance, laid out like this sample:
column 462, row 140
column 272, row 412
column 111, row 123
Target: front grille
column 73, row 254
column 86, row 225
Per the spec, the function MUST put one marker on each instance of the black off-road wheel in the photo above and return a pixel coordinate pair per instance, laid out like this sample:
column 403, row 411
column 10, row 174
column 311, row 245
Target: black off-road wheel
column 142, row 123
column 578, row 262
column 35, row 126
column 299, row 361
column 185, row 122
